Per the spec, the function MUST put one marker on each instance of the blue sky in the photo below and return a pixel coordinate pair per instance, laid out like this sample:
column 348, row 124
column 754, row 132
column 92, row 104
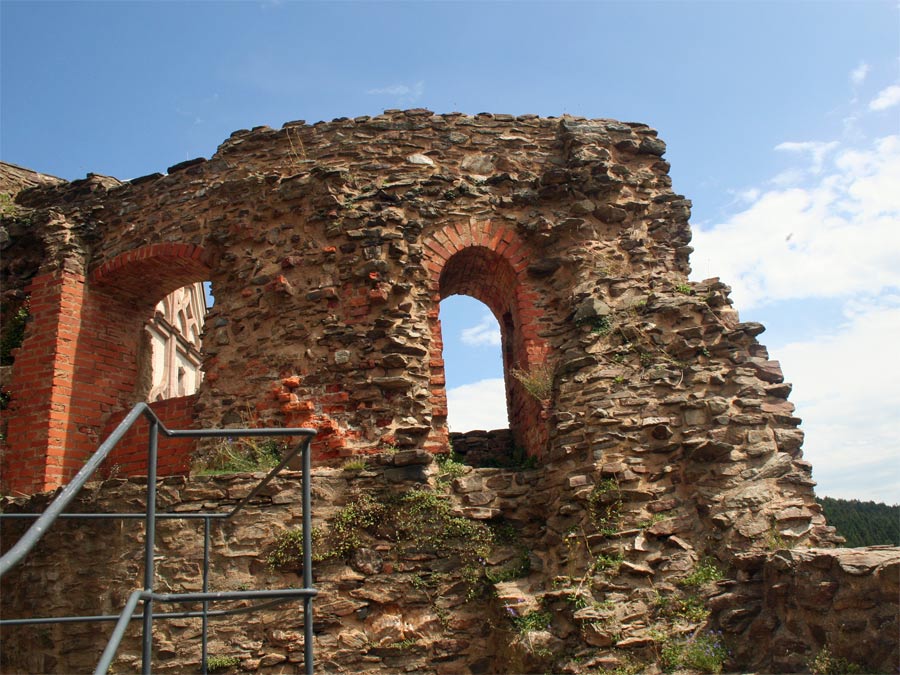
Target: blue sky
column 782, row 122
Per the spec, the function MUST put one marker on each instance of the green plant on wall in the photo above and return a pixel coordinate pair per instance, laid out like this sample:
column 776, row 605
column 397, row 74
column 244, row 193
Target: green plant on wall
column 417, row 521
column 825, row 663
column 216, row 664
column 705, row 653
column 537, row 380
column 239, row 455
column 604, row 506
column 681, row 608
column 705, row 572
column 355, row 464
column 449, row 467
column 601, row 325
column 12, row 332
column 8, row 207
column 536, row 620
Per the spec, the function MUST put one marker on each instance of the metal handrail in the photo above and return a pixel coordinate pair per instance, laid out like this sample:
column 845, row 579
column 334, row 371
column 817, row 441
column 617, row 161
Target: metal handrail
column 147, row 595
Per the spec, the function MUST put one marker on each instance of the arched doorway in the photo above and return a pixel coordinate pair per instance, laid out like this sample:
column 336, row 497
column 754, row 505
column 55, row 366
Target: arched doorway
column 491, row 277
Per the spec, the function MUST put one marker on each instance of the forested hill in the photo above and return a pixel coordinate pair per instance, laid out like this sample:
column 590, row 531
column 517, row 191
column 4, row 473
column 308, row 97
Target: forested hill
column 863, row 523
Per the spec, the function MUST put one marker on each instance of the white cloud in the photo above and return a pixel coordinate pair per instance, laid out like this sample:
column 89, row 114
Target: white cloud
column 847, row 390
column 858, row 74
column 404, row 92
column 787, row 177
column 886, row 98
column 834, row 237
column 486, row 333
column 817, row 149
column 479, row 405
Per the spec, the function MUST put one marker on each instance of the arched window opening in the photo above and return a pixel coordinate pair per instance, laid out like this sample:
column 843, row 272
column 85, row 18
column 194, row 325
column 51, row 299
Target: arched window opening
column 473, row 366
column 171, row 365
column 485, row 275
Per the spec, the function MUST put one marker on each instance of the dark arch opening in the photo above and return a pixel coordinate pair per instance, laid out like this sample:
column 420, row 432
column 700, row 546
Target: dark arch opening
column 487, row 276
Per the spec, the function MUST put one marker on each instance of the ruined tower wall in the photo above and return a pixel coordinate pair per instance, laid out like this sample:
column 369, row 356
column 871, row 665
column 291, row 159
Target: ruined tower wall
column 329, row 248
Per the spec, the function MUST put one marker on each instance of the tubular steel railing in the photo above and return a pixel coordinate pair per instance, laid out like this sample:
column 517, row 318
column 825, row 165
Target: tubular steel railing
column 147, row 594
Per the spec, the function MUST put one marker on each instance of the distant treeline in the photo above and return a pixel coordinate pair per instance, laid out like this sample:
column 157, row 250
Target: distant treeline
column 863, row 523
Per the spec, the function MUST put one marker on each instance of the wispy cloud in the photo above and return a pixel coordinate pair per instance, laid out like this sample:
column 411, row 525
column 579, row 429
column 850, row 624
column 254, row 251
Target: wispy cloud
column 858, row 74
column 485, row 334
column 886, row 98
column 479, row 405
column 831, row 237
column 403, row 92
column 816, row 149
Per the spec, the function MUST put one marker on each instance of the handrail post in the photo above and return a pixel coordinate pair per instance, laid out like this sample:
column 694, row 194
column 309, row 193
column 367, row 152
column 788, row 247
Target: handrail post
column 307, row 560
column 149, row 546
column 205, row 620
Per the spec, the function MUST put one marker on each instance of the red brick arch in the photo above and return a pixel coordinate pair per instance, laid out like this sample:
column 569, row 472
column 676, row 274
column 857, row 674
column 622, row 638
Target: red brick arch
column 82, row 351
column 488, row 262
column 168, row 266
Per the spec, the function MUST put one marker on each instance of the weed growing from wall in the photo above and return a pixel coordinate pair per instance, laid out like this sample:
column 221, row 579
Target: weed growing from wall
column 678, row 608
column 536, row 620
column 706, row 571
column 825, row 663
column 217, row 664
column 537, row 380
column 417, row 521
column 605, row 505
column 239, row 456
column 357, row 464
column 12, row 333
column 449, row 468
column 705, row 653
column 600, row 325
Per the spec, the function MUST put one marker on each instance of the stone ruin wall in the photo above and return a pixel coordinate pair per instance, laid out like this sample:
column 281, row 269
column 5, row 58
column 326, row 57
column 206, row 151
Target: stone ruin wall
column 393, row 605
column 329, row 248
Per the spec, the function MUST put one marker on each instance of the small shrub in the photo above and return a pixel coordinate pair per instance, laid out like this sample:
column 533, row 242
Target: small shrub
column 418, row 520
column 705, row 653
column 503, row 531
column 604, row 506
column 824, row 663
column 684, row 289
column 538, row 380
column 689, row 608
column 288, row 551
column 8, row 206
column 13, row 331
column 601, row 325
column 357, row 464
column 516, row 569
column 705, row 572
column 535, row 620
column 240, row 455
column 449, row 467
column 775, row 541
column 607, row 563
column 216, row 663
